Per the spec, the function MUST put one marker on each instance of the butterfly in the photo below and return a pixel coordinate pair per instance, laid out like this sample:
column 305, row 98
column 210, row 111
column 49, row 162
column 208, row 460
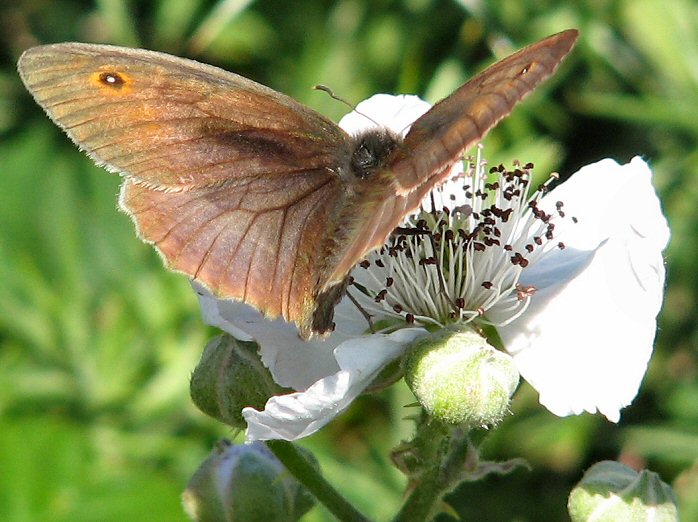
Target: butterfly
column 245, row 190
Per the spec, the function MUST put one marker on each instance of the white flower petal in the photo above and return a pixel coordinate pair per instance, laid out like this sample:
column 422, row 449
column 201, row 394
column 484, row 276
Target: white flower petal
column 396, row 113
column 584, row 343
column 300, row 414
column 294, row 363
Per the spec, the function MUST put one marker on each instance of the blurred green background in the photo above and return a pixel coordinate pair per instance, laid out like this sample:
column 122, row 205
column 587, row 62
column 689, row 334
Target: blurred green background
column 97, row 340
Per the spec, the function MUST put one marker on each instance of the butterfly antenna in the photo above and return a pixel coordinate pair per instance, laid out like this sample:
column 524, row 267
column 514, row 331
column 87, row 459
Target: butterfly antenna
column 330, row 92
column 363, row 312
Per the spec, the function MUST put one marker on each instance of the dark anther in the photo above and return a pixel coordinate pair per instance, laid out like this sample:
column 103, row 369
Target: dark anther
column 381, row 296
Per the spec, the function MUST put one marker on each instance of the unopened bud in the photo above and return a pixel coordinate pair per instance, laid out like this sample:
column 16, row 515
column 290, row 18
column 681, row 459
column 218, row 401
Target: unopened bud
column 459, row 379
column 229, row 377
column 610, row 491
column 244, row 483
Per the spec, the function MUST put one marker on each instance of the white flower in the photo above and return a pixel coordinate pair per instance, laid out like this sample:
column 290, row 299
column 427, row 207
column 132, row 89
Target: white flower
column 587, row 335
column 572, row 280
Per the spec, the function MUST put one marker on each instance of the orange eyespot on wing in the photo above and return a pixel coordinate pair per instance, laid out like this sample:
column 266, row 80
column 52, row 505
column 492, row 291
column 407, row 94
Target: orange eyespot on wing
column 112, row 83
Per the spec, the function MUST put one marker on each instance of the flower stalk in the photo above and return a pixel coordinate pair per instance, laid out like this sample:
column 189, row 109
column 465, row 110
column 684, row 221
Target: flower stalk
column 311, row 477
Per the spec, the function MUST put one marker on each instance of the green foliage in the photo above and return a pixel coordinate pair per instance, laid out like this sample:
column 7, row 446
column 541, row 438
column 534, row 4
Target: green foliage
column 56, row 470
column 97, row 340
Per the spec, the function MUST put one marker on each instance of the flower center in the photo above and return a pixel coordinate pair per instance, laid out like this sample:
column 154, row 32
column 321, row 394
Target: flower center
column 464, row 256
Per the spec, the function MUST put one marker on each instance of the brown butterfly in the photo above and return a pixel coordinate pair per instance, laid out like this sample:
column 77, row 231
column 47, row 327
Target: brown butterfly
column 247, row 191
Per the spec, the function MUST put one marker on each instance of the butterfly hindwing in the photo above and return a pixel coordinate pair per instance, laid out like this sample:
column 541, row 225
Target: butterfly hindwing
column 266, row 257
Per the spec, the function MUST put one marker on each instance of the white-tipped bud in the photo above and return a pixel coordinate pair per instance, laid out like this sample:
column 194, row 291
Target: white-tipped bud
column 610, row 491
column 459, row 379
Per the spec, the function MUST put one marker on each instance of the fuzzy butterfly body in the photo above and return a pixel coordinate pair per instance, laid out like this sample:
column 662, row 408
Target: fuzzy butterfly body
column 247, row 191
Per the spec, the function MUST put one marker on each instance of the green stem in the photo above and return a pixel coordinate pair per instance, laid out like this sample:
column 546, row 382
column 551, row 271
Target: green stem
column 312, row 479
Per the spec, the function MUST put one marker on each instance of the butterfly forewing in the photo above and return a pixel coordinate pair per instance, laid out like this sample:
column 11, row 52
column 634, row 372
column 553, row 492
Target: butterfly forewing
column 438, row 139
column 173, row 122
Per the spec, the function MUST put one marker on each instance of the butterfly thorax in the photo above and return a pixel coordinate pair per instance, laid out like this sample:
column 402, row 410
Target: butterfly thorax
column 371, row 150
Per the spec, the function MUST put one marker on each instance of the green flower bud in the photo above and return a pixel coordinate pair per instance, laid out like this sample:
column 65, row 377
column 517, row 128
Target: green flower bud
column 459, row 379
column 229, row 377
column 610, row 491
column 244, row 483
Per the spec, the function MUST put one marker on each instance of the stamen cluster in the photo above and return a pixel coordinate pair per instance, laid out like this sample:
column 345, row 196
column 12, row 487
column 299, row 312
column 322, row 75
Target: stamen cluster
column 465, row 255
